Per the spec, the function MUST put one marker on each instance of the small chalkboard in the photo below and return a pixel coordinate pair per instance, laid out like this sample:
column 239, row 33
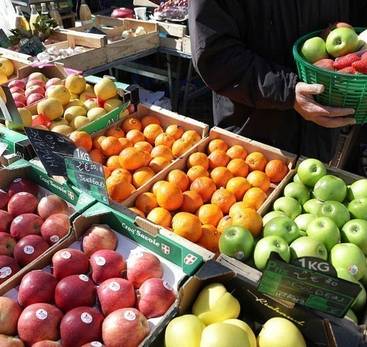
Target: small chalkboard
column 4, row 40
column 32, row 46
column 88, row 176
column 312, row 289
column 51, row 148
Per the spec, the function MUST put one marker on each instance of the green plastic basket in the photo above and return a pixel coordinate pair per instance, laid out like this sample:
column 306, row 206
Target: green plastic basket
column 341, row 90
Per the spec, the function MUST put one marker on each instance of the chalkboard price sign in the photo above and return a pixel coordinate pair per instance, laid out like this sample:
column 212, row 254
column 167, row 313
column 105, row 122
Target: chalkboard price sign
column 312, row 289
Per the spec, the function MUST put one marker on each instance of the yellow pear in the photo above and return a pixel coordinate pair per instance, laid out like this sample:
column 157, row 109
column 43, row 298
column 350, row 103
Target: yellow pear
column 74, row 111
column 87, row 95
column 90, row 103
column 184, row 331
column 60, row 93
column 63, row 129
column 62, row 121
column 37, row 76
column 96, row 113
column 75, row 102
column 6, row 67
column 105, row 89
column 245, row 327
column 51, row 108
column 112, row 104
column 79, row 122
column 3, row 78
column 224, row 335
column 75, row 84
column 280, row 332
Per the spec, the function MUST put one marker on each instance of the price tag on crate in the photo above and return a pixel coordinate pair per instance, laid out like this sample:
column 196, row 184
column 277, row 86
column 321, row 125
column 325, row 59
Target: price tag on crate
column 88, row 176
column 311, row 283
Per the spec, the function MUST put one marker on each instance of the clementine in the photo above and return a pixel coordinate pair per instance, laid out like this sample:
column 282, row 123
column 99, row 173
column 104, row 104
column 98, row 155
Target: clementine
column 205, row 186
column 259, row 179
column 180, row 147
column 169, row 196
column 249, row 219
column 143, row 146
column 82, row 139
column 110, row 146
column 237, row 152
column 141, row 176
column 145, row 202
column 160, row 216
column 150, row 119
column 151, row 132
column 119, row 189
column 113, row 162
column 180, row 178
column 224, row 223
column 224, row 199
column 162, row 151
column 135, row 136
column 97, row 140
column 192, row 201
column 238, row 167
column 276, row 170
column 97, row 156
column 157, row 164
column 256, row 161
column 132, row 159
column 221, row 175
column 196, row 172
column 164, row 139
column 123, row 175
column 191, row 136
column 210, row 214
column 116, row 132
column 209, row 238
column 198, row 158
column 218, row 158
column 131, row 123
column 175, row 131
column 254, row 198
column 156, row 186
column 238, row 186
column 124, row 142
column 187, row 225
column 217, row 144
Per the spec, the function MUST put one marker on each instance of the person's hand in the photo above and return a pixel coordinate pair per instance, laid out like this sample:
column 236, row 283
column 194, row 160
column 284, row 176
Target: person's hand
column 325, row 116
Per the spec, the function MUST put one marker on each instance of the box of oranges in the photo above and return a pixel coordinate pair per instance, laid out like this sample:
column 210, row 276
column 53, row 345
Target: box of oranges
column 224, row 180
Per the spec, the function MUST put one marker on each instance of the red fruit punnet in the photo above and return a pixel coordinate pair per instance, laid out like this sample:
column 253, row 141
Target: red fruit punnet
column 348, row 70
column 345, row 61
column 327, row 64
column 360, row 66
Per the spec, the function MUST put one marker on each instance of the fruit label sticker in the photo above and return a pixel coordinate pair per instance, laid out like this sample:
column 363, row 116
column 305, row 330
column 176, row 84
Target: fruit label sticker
column 65, row 255
column 84, row 278
column 114, row 286
column 18, row 219
column 28, row 249
column 167, row 285
column 41, row 314
column 96, row 344
column 130, row 315
column 54, row 238
column 5, row 272
column 100, row 261
column 86, row 318
column 316, row 290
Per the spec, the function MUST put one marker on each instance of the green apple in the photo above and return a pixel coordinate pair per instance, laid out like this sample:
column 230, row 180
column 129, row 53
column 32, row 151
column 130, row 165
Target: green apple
column 236, row 242
column 358, row 208
column 306, row 246
column 324, row 230
column 358, row 190
column 280, row 332
column 330, row 187
column 283, row 227
column 184, row 331
column 270, row 215
column 348, row 256
column 297, row 179
column 336, row 211
column 215, row 304
column 245, row 327
column 314, row 49
column 364, row 278
column 355, row 231
column 303, row 220
column 310, row 171
column 297, row 191
column 266, row 246
column 289, row 206
column 313, row 206
column 224, row 335
column 342, row 41
column 351, row 316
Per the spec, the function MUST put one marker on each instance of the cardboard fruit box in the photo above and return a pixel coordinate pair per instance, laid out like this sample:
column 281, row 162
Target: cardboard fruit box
column 174, row 269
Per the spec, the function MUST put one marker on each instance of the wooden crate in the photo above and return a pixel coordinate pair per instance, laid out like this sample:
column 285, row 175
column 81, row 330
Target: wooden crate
column 172, row 29
column 19, row 60
column 78, row 38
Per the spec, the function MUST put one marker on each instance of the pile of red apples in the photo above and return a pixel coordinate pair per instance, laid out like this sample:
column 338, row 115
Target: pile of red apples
column 28, row 225
column 91, row 298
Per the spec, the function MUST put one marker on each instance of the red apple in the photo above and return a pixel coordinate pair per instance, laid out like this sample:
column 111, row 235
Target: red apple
column 53, row 82
column 115, row 293
column 19, row 97
column 22, row 185
column 33, row 98
column 47, row 343
column 55, row 227
column 155, row 297
column 39, row 322
column 74, row 291
column 106, row 264
column 94, row 344
column 141, row 266
column 8, row 267
column 5, row 221
column 14, row 90
column 34, row 90
column 17, row 83
column 10, row 341
column 68, row 262
column 7, row 244
column 35, row 82
column 99, row 237
column 29, row 248
column 26, row 224
column 9, row 314
column 50, row 205
column 37, row 286
column 21, row 203
column 126, row 327
column 80, row 326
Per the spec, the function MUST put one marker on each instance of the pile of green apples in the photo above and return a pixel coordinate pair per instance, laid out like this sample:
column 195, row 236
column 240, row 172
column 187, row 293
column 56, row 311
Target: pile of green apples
column 214, row 323
column 318, row 216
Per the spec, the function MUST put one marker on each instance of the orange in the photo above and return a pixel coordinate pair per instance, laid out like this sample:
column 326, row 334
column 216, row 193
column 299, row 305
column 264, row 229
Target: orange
column 224, row 199
column 276, row 170
column 191, row 136
column 106, row 172
column 256, row 161
column 164, row 139
column 119, row 189
column 151, row 132
column 205, row 186
column 143, row 146
column 187, row 225
column 97, row 156
column 238, row 167
column 150, row 120
column 141, row 176
column 156, row 186
column 249, row 219
column 169, row 196
column 196, row 172
column 175, row 131
column 162, row 151
column 209, row 238
column 198, row 158
column 217, row 144
column 210, row 214
column 254, row 198
column 124, row 142
column 147, row 158
column 180, row 147
column 192, row 201
column 82, row 139
column 96, row 142
column 113, row 162
column 110, row 146
column 237, row 152
column 221, row 175
column 180, row 178
column 132, row 159
column 224, row 223
column 159, row 163
column 160, row 216
column 137, row 211
column 116, row 132
column 259, row 179
column 238, row 186
column 146, row 202
column 123, row 175
column 135, row 136
column 237, row 207
column 218, row 158
column 131, row 123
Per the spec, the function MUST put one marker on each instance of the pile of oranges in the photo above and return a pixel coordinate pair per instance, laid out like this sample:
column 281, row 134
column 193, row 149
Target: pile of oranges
column 135, row 151
column 225, row 186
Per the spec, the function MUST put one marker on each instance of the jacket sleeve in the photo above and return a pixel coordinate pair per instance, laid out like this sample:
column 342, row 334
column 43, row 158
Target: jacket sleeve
column 228, row 67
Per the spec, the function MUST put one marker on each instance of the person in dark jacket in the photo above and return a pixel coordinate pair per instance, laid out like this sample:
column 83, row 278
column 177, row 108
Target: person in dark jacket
column 242, row 49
